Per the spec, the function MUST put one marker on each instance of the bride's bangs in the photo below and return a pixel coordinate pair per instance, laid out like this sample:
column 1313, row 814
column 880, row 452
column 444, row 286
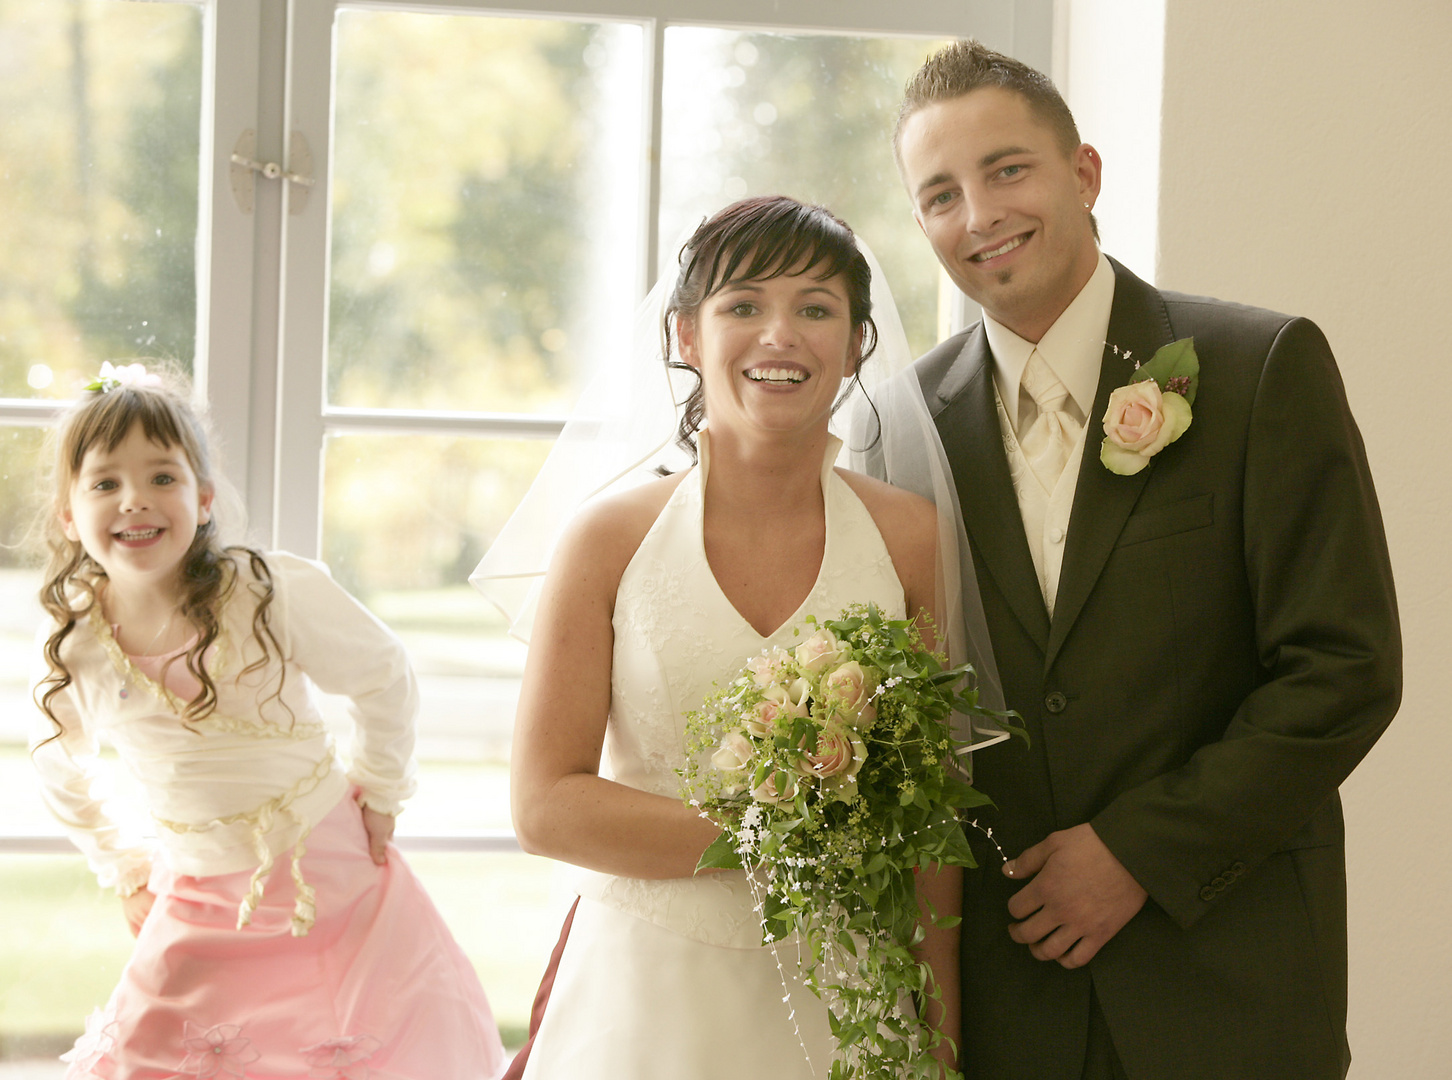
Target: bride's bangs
column 775, row 240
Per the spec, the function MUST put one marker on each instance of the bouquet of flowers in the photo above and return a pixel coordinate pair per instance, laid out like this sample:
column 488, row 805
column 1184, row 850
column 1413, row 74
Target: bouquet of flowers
column 830, row 768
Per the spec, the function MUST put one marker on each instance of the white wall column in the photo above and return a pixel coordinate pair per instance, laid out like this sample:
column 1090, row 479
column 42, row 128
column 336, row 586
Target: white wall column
column 1303, row 152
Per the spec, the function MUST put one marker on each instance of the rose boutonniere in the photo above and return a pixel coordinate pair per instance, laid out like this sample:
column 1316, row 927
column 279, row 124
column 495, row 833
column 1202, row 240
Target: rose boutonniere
column 1152, row 410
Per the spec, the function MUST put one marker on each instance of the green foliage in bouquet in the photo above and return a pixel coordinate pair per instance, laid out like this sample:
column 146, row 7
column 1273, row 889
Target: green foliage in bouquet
column 831, row 770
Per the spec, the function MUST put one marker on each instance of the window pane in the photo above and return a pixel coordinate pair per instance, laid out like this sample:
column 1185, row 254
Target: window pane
column 405, row 520
column 100, row 114
column 20, row 465
column 63, row 943
column 506, row 912
column 806, row 116
column 485, row 195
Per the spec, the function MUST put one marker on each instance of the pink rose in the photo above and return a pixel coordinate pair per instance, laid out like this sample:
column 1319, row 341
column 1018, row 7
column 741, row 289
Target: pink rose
column 778, row 787
column 840, row 752
column 1140, row 422
column 849, row 688
column 779, row 700
column 762, row 717
column 769, row 666
column 820, row 651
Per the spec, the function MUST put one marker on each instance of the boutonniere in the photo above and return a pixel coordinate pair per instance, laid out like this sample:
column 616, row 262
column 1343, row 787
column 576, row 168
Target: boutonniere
column 1152, row 410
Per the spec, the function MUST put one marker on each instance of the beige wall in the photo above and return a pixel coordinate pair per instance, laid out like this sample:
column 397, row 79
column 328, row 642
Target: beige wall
column 1305, row 164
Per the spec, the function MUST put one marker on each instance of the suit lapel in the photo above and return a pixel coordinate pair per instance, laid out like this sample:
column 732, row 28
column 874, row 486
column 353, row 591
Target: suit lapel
column 1139, row 323
column 973, row 441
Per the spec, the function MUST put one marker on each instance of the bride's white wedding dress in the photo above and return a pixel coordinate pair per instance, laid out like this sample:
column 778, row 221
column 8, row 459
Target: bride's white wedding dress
column 668, row 980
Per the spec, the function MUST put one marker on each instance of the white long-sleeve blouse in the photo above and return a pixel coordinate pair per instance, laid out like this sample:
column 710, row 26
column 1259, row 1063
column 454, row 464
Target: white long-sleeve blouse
column 232, row 790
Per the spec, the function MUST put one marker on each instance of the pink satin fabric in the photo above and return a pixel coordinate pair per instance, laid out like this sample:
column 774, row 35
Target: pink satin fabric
column 378, row 990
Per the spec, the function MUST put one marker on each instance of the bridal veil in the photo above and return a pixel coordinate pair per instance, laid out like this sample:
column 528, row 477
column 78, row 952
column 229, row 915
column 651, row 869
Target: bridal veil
column 623, row 429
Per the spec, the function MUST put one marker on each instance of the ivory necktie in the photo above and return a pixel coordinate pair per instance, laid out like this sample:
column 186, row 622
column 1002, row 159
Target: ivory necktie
column 1050, row 438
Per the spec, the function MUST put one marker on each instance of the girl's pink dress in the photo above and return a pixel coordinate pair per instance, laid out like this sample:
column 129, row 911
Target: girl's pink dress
column 377, row 990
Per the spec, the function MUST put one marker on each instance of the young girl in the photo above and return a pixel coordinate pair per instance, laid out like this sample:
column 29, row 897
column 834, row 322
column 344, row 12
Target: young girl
column 197, row 661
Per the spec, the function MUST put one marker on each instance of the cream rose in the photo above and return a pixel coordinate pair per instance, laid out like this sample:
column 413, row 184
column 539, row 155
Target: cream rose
column 768, row 666
column 850, row 688
column 778, row 787
column 777, row 701
column 820, row 651
column 1140, row 422
column 840, row 752
column 734, row 753
column 762, row 717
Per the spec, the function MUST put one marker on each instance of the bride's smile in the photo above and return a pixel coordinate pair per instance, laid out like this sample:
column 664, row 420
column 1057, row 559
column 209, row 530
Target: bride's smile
column 772, row 352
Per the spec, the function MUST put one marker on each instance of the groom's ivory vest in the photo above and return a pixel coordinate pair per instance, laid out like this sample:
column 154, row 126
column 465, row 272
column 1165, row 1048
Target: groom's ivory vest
column 1045, row 513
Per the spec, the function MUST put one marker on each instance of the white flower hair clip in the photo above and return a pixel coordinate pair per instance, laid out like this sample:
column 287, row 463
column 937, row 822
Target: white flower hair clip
column 111, row 377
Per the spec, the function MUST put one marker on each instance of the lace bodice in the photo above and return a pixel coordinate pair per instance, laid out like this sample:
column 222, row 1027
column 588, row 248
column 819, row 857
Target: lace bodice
column 676, row 636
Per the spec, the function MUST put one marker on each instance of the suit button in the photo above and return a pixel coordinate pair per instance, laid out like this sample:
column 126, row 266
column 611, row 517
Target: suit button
column 1207, row 893
column 1056, row 703
column 1237, row 868
column 1219, row 883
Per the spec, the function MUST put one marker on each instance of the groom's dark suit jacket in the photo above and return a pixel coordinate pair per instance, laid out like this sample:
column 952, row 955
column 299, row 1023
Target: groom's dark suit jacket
column 1224, row 650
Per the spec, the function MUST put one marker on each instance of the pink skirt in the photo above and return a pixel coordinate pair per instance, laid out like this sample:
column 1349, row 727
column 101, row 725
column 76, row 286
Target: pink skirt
column 378, row 990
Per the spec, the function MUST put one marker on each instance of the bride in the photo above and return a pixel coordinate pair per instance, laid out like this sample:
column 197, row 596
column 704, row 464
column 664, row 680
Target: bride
column 655, row 594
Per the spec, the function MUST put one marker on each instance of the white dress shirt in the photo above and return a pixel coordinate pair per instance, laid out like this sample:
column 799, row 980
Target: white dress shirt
column 1073, row 347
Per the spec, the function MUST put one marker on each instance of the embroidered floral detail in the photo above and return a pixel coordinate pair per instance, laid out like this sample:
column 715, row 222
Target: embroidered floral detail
column 344, row 1058
column 94, row 1046
column 218, row 1051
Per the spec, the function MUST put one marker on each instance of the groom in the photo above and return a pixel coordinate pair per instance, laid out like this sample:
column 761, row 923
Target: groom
column 1202, row 649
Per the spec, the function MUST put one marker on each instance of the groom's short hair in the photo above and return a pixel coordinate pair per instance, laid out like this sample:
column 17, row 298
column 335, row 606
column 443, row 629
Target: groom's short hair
column 968, row 65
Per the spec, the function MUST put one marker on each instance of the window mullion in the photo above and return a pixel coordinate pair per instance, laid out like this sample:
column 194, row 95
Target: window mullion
column 302, row 335
column 654, row 76
column 225, row 233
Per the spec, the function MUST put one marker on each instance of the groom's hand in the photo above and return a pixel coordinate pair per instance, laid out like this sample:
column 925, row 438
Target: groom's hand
column 1078, row 899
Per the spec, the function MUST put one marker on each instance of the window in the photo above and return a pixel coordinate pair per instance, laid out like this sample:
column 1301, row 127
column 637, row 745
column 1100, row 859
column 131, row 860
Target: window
column 388, row 351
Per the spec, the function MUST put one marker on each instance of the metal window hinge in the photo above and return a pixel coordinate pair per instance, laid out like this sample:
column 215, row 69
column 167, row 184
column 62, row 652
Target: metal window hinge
column 244, row 165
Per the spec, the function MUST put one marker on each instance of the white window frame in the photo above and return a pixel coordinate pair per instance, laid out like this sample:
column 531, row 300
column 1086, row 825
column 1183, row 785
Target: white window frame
column 294, row 514
column 262, row 276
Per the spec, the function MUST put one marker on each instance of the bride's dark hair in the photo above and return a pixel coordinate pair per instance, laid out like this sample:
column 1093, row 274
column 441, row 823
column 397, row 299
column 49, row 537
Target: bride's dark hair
column 754, row 240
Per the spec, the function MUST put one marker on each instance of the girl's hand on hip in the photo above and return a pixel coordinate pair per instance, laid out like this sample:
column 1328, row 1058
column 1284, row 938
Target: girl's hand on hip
column 379, row 828
column 136, row 907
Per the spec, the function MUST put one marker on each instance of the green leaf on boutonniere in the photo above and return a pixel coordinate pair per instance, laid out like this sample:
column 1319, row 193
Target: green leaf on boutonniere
column 1178, row 361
